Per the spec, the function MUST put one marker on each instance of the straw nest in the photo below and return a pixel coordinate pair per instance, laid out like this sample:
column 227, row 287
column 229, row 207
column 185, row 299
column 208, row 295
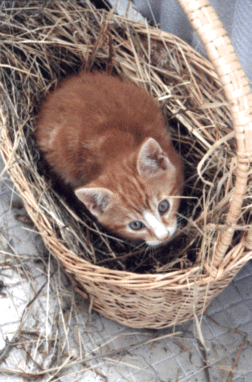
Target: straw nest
column 43, row 42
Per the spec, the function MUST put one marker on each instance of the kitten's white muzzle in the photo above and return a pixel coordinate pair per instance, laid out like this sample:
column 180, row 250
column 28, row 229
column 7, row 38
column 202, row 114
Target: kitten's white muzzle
column 163, row 238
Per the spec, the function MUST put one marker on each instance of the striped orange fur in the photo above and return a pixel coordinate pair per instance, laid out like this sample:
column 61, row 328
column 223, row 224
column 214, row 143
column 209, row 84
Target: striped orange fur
column 108, row 140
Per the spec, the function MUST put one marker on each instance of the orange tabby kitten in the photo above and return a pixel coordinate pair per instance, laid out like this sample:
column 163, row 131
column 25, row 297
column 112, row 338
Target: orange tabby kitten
column 108, row 140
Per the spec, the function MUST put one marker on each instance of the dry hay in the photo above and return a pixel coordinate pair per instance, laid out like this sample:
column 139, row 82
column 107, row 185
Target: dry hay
column 43, row 42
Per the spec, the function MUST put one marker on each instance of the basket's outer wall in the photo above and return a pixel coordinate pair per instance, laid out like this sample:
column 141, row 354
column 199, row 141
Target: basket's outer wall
column 213, row 35
column 139, row 301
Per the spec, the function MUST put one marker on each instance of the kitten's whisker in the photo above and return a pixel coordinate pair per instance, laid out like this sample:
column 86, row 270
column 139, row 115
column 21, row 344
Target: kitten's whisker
column 186, row 197
column 180, row 217
column 141, row 245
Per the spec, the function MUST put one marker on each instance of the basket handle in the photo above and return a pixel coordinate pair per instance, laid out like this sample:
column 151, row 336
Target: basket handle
column 218, row 46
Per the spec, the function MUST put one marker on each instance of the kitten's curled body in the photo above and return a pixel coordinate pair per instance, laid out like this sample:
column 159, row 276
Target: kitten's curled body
column 108, row 140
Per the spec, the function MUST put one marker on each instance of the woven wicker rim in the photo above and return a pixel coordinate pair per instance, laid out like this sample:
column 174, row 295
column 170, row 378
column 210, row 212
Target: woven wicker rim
column 214, row 37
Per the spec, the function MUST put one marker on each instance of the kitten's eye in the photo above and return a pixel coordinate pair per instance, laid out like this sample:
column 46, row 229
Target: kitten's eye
column 163, row 206
column 136, row 225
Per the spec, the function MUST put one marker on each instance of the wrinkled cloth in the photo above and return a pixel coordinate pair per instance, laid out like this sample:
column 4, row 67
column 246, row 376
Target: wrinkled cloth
column 236, row 15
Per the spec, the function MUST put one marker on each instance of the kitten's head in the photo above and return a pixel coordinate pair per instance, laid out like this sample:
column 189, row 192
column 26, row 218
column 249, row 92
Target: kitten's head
column 138, row 199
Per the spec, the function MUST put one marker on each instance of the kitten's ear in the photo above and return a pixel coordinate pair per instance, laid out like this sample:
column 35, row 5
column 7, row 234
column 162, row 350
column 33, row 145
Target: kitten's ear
column 97, row 199
column 152, row 159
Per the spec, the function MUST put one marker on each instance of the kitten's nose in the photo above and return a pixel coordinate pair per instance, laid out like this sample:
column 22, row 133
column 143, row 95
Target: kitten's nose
column 163, row 237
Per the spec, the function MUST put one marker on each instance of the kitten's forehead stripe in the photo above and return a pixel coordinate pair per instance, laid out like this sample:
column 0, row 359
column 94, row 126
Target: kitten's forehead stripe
column 134, row 195
column 159, row 229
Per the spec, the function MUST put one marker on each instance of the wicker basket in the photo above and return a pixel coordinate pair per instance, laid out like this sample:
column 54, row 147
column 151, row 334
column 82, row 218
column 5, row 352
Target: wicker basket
column 148, row 300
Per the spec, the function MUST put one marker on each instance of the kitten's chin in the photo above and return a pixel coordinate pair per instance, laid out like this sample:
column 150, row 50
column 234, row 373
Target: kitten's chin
column 157, row 243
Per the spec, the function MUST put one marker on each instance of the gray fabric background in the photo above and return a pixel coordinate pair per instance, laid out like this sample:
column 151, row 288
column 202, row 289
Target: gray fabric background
column 236, row 16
